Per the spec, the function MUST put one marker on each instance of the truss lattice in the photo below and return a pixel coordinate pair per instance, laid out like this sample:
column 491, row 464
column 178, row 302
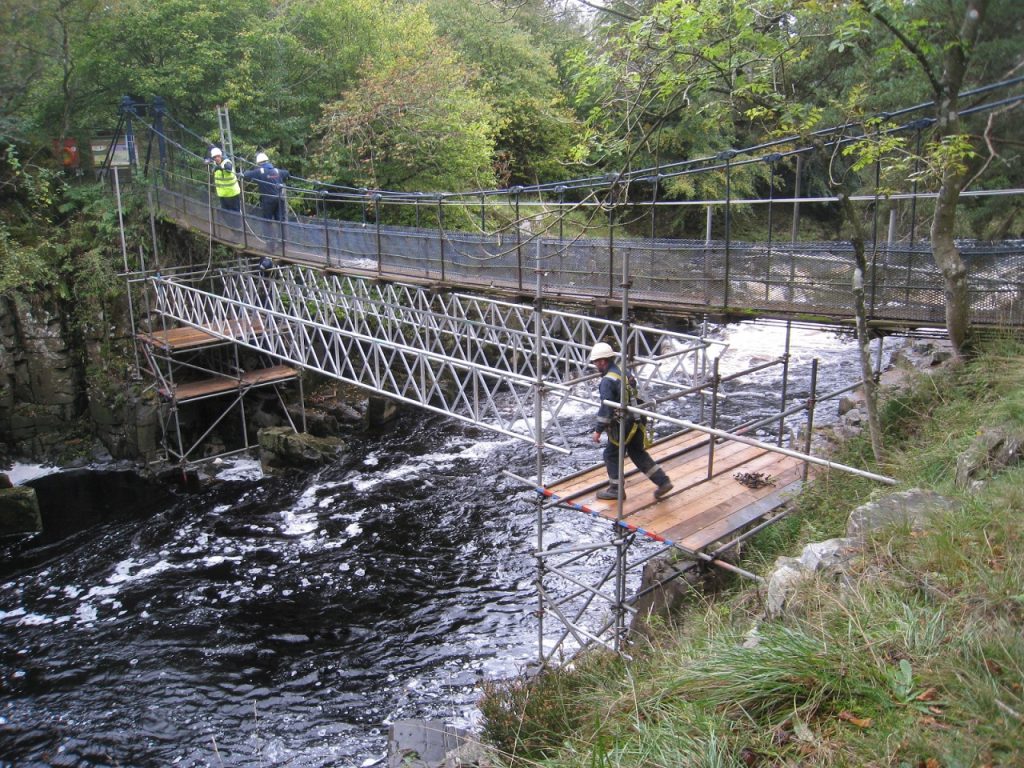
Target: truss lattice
column 480, row 360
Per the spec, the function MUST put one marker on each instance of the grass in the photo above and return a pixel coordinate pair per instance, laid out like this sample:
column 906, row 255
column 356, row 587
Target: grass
column 915, row 659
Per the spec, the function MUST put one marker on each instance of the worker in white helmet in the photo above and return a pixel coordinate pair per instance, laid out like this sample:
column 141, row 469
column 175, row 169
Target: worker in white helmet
column 225, row 182
column 602, row 356
column 270, row 181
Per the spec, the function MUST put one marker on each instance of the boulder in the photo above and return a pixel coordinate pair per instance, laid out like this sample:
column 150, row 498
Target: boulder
column 992, row 450
column 830, row 556
column 19, row 511
column 665, row 586
column 281, row 448
column 912, row 508
column 424, row 744
column 380, row 410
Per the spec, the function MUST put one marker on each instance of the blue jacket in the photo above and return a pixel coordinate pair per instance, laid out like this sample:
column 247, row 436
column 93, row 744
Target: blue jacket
column 607, row 416
column 269, row 180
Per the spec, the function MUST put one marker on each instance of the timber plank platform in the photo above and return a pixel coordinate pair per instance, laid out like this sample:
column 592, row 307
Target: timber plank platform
column 700, row 510
column 188, row 337
column 218, row 385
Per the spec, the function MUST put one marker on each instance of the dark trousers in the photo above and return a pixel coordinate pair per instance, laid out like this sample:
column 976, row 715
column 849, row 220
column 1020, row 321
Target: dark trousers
column 231, row 203
column 272, row 208
column 637, row 454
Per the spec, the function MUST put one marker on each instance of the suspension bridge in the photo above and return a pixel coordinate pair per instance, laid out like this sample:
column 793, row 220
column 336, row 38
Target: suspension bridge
column 492, row 326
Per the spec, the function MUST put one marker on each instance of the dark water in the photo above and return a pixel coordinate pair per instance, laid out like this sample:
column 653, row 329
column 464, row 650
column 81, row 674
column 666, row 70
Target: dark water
column 284, row 621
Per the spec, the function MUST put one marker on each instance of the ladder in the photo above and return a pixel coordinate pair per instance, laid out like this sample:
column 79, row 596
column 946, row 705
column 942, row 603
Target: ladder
column 224, row 124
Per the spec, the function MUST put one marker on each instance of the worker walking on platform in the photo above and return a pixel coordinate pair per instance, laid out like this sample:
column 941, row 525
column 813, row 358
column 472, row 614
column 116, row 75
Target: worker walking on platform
column 270, row 181
column 225, row 182
column 602, row 356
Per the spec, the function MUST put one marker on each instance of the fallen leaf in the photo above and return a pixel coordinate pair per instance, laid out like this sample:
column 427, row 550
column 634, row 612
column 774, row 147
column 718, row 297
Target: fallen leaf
column 860, row 722
column 929, row 695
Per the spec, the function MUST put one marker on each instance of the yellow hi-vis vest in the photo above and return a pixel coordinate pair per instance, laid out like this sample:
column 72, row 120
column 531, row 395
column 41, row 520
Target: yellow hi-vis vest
column 226, row 182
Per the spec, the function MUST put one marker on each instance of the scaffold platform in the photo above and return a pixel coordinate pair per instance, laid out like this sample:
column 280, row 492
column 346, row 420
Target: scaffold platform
column 189, row 363
column 188, row 337
column 720, row 487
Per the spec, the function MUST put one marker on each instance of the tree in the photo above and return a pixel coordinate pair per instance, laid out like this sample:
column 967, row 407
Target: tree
column 413, row 121
column 679, row 82
column 940, row 41
column 535, row 127
column 294, row 59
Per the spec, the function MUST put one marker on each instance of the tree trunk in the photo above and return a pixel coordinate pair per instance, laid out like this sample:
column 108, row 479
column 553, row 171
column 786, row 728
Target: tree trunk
column 954, row 273
column 863, row 337
column 944, row 250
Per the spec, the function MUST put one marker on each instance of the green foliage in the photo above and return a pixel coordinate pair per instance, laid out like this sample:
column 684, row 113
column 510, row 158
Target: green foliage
column 534, row 125
column 415, row 122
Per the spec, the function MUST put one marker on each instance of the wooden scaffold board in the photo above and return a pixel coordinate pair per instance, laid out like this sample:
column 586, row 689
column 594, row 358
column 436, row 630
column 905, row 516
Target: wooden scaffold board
column 745, row 482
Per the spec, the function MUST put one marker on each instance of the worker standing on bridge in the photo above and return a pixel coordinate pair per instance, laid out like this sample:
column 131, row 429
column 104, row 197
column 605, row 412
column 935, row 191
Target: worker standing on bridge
column 602, row 356
column 225, row 181
column 270, row 181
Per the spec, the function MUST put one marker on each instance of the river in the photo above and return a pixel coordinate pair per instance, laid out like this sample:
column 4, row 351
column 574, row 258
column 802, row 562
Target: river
column 287, row 620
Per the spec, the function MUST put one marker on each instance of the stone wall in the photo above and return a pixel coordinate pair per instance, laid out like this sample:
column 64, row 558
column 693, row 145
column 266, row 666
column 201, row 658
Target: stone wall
column 47, row 411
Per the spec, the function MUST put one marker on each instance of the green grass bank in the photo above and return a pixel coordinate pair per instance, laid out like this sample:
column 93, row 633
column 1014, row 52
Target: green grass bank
column 914, row 659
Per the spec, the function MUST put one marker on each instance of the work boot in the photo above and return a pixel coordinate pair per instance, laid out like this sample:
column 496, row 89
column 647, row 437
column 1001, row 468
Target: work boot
column 609, row 493
column 662, row 490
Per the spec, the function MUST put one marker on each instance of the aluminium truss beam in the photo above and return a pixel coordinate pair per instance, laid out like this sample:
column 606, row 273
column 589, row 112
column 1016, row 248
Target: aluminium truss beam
column 472, row 358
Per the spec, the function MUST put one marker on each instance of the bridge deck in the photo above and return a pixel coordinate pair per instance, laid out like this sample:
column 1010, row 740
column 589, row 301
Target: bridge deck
column 700, row 510
column 219, row 385
column 188, row 337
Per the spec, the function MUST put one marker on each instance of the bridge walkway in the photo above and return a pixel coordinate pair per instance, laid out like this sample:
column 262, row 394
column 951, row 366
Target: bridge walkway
column 718, row 490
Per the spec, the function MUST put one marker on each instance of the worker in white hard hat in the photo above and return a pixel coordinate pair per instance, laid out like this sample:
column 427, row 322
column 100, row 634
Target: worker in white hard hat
column 225, row 182
column 602, row 356
column 270, row 181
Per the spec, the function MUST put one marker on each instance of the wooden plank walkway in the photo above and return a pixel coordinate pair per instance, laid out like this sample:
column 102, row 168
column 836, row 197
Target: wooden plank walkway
column 700, row 510
column 219, row 385
column 187, row 337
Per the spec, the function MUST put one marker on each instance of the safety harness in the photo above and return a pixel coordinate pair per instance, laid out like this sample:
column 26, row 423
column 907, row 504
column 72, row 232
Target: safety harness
column 633, row 423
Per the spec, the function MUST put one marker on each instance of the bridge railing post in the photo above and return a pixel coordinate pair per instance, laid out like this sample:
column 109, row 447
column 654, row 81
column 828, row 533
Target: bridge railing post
column 378, row 201
column 728, row 155
column 611, row 251
column 794, row 226
column 519, row 240
column 158, row 126
column 440, row 234
column 322, row 207
column 772, row 159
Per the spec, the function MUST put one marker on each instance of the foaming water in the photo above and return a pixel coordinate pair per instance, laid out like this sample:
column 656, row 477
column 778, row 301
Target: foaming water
column 287, row 620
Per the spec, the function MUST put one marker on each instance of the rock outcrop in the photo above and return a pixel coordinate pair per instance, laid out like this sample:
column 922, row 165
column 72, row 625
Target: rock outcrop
column 281, row 448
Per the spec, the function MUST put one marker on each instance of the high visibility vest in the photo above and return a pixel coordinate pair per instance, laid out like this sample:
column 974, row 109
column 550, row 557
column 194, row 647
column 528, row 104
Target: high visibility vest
column 226, row 182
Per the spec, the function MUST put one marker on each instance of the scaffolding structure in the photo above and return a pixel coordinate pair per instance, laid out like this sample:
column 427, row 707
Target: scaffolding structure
column 379, row 307
column 511, row 368
column 189, row 365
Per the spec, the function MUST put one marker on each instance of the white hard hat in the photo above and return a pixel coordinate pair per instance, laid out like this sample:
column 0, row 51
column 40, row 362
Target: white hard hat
column 601, row 351
column 215, row 152
column 261, row 157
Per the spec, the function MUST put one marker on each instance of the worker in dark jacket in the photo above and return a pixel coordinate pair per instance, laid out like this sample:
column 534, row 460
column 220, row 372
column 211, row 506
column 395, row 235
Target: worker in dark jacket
column 270, row 182
column 602, row 356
